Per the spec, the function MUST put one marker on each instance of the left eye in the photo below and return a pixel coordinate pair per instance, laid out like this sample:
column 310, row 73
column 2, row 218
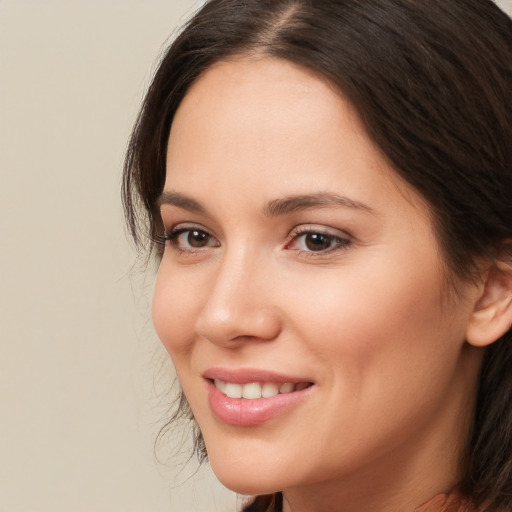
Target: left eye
column 189, row 238
column 313, row 241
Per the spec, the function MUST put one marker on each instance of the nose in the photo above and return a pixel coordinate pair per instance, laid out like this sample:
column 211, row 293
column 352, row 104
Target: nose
column 239, row 304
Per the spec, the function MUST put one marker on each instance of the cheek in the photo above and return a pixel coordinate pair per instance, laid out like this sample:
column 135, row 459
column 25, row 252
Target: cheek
column 377, row 325
column 174, row 311
column 386, row 351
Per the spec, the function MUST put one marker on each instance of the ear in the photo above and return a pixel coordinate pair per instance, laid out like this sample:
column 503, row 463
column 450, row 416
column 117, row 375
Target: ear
column 492, row 314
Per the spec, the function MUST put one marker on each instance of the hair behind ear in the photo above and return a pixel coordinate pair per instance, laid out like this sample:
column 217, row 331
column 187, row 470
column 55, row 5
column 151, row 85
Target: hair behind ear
column 489, row 475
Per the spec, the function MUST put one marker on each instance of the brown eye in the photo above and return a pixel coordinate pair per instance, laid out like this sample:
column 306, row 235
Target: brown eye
column 189, row 238
column 197, row 238
column 312, row 241
column 318, row 241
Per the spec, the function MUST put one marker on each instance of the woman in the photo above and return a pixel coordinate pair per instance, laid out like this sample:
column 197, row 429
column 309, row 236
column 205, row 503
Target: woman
column 327, row 185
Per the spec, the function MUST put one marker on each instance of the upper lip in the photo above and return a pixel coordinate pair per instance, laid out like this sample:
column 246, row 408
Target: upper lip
column 248, row 375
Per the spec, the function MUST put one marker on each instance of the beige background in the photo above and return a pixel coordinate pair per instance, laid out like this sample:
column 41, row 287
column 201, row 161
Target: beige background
column 77, row 352
column 78, row 391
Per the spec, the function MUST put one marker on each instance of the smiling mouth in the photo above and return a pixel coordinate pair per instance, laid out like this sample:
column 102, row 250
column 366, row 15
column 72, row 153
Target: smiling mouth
column 256, row 390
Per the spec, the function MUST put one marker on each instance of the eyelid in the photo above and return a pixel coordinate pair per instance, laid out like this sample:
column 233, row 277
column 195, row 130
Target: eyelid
column 171, row 235
column 318, row 228
column 344, row 239
column 184, row 226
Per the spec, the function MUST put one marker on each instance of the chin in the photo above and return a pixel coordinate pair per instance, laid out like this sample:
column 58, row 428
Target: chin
column 250, row 484
column 246, row 475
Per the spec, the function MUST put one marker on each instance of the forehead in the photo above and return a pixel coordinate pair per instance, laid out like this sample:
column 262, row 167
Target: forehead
column 254, row 117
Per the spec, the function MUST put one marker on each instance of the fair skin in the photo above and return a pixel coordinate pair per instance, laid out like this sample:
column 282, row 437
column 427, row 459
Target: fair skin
column 298, row 255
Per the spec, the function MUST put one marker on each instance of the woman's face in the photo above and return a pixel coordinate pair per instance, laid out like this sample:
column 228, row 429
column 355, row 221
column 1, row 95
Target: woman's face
column 298, row 261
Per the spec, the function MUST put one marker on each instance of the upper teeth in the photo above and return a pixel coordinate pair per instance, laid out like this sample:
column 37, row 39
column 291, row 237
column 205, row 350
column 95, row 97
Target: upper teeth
column 255, row 390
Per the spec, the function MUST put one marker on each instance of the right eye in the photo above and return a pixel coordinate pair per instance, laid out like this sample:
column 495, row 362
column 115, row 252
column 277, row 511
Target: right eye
column 189, row 239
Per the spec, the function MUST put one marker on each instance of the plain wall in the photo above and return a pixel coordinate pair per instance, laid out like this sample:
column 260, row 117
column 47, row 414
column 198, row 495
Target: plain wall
column 77, row 351
column 78, row 409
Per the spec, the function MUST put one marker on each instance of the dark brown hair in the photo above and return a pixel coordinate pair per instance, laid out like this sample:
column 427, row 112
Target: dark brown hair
column 432, row 82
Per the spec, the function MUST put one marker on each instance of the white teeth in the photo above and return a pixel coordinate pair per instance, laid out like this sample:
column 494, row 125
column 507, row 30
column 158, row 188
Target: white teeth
column 220, row 385
column 251, row 391
column 269, row 390
column 288, row 387
column 233, row 390
column 255, row 390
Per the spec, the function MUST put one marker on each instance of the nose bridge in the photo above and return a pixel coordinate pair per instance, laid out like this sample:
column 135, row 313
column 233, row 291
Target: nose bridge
column 239, row 305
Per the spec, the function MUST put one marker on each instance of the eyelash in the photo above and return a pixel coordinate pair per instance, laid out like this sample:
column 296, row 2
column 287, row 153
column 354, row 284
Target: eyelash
column 336, row 243
column 173, row 236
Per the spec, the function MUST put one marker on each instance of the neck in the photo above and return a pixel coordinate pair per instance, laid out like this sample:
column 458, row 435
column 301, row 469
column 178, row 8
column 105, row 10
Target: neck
column 396, row 490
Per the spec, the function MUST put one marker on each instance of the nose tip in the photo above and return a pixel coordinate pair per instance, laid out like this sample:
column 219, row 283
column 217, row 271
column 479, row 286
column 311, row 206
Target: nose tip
column 239, row 305
column 236, row 322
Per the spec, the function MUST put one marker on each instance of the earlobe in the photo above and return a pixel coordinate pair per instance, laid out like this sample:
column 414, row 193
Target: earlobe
column 492, row 314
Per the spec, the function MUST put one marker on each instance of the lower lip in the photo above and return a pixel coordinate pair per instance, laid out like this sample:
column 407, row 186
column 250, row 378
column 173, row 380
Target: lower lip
column 245, row 412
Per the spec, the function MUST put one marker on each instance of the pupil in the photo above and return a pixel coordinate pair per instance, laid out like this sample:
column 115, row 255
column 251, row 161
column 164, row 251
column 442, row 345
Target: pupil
column 317, row 242
column 197, row 238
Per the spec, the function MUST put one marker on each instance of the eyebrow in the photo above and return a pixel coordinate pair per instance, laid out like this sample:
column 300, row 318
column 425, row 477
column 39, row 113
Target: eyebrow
column 303, row 202
column 275, row 207
column 181, row 201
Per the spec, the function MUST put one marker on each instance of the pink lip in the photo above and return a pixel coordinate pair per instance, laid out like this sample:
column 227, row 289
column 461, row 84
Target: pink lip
column 244, row 412
column 247, row 375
